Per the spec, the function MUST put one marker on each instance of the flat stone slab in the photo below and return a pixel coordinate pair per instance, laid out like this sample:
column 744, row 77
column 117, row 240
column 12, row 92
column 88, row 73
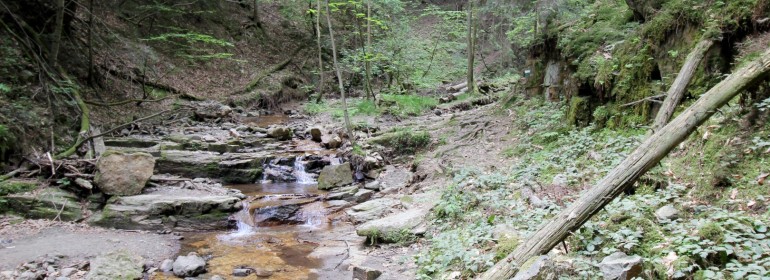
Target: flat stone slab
column 168, row 211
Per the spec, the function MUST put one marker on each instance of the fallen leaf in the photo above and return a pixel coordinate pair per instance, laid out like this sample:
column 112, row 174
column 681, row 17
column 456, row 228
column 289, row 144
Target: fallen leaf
column 751, row 203
column 761, row 178
column 737, row 176
column 734, row 193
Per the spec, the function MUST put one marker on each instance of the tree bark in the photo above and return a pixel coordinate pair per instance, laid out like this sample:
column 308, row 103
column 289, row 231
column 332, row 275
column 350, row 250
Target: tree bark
column 676, row 91
column 471, row 47
column 647, row 155
column 367, row 49
column 320, row 52
column 57, row 31
column 339, row 75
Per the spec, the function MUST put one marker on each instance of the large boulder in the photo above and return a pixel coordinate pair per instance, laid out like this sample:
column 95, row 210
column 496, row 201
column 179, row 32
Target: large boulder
column 124, row 173
column 395, row 228
column 331, row 141
column 211, row 110
column 315, row 134
column 620, row 266
column 116, row 265
column 189, row 266
column 280, row 132
column 333, row 176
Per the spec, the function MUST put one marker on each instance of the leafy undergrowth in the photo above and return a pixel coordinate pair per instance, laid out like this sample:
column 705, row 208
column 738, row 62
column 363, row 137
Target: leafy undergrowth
column 720, row 233
column 393, row 104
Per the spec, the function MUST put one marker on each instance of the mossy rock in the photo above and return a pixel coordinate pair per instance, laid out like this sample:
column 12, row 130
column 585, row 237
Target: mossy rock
column 579, row 113
column 49, row 203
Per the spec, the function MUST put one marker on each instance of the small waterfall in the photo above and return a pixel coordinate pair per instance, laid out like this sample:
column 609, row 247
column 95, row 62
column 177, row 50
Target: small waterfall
column 299, row 172
column 244, row 224
column 313, row 214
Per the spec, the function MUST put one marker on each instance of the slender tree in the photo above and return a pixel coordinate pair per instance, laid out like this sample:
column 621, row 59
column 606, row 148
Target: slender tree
column 339, row 74
column 58, row 28
column 471, row 48
column 320, row 86
column 368, row 49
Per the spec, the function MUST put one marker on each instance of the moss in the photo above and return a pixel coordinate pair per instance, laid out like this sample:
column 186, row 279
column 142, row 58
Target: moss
column 403, row 142
column 579, row 111
column 12, row 187
column 713, row 232
column 505, row 246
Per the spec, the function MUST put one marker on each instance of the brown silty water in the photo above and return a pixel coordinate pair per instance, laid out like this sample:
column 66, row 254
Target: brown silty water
column 274, row 234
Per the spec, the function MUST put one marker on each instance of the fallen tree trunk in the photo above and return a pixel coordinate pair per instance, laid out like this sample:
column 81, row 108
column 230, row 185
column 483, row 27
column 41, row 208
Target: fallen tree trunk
column 676, row 91
column 278, row 67
column 647, row 155
column 143, row 81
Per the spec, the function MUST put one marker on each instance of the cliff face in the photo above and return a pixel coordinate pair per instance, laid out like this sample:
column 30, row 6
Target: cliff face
column 622, row 56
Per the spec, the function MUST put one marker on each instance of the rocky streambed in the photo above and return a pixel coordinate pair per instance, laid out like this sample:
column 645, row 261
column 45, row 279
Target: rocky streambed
column 247, row 193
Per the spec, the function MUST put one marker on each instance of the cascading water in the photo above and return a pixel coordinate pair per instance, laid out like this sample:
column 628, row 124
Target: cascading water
column 299, row 172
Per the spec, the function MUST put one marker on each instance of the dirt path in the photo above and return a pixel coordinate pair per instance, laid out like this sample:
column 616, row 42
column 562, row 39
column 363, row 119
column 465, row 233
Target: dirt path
column 34, row 239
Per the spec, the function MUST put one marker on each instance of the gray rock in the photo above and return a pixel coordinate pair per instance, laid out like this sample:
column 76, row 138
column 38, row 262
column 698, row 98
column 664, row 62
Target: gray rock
column 189, row 266
column 373, row 185
column 84, row 183
column 217, row 277
column 170, row 209
column 560, row 180
column 391, row 228
column 62, row 278
column 331, row 141
column 280, row 132
column 333, row 176
column 116, row 265
column 370, row 210
column 29, row 275
column 6, row 275
column 209, row 138
column 394, row 178
column 620, row 266
column 344, row 193
column 260, row 272
column 124, row 173
column 315, row 134
column 241, row 272
column 68, row 271
column 535, row 269
column 46, row 204
column 365, row 273
column 211, row 110
column 167, row 265
column 667, row 213
column 363, row 195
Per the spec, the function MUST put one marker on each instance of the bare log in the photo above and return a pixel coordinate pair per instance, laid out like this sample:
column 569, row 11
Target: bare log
column 676, row 91
column 647, row 155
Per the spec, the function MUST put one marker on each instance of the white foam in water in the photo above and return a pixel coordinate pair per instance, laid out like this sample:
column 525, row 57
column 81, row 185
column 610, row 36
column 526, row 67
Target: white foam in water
column 242, row 228
column 299, row 172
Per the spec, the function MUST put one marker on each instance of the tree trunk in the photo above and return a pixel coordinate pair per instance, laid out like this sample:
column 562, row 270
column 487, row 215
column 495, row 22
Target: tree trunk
column 339, row 75
column 367, row 49
column 471, row 47
column 57, row 31
column 676, row 92
column 320, row 52
column 647, row 155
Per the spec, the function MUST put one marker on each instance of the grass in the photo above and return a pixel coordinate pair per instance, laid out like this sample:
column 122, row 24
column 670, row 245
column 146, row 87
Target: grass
column 407, row 105
column 399, row 105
